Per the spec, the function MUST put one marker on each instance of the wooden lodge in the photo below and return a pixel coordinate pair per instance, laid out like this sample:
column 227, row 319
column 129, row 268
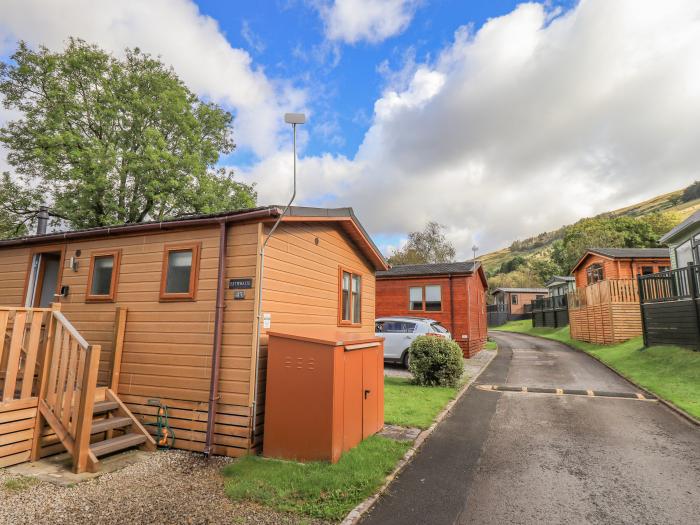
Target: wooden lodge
column 604, row 308
column 452, row 293
column 511, row 304
column 102, row 326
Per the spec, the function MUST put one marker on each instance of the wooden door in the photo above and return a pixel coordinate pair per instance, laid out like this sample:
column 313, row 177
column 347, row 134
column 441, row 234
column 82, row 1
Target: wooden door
column 370, row 392
column 352, row 400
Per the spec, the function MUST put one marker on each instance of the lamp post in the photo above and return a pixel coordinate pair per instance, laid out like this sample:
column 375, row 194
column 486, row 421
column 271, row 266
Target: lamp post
column 475, row 249
column 294, row 119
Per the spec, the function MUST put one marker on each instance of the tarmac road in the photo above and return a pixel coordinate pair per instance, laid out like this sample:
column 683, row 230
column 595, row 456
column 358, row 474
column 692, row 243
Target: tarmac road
column 528, row 458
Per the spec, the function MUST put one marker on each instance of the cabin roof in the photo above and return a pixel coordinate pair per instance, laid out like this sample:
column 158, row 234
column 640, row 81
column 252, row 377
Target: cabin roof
column 624, row 253
column 345, row 216
column 520, row 290
column 690, row 221
column 559, row 279
column 434, row 269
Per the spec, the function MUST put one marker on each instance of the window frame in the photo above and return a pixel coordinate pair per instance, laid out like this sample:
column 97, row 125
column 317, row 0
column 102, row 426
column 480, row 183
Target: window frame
column 424, row 298
column 191, row 294
column 353, row 273
column 514, row 299
column 594, row 269
column 116, row 254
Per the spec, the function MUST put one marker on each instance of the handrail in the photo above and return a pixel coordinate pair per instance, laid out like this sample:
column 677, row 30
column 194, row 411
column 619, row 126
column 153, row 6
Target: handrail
column 71, row 329
column 671, row 285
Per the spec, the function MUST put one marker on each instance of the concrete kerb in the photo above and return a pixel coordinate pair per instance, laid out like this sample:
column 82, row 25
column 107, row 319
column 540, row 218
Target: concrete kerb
column 356, row 514
column 679, row 411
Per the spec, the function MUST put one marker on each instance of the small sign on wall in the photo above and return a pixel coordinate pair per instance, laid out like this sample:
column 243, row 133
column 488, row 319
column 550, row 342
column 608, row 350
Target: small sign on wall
column 240, row 284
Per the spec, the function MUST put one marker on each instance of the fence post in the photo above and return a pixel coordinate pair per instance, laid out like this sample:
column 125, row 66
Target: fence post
column 85, row 409
column 118, row 346
column 693, row 290
column 640, row 292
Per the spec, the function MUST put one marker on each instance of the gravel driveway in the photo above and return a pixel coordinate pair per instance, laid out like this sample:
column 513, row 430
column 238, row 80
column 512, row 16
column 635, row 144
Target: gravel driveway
column 169, row 487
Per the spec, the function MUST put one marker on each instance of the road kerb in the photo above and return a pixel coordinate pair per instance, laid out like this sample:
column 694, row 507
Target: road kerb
column 356, row 514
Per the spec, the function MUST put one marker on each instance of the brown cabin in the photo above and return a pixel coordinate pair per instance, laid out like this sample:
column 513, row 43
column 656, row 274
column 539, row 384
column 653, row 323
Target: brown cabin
column 514, row 300
column 599, row 264
column 173, row 306
column 452, row 293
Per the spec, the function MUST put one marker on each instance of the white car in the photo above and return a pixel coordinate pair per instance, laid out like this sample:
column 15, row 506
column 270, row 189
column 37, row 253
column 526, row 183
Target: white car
column 399, row 333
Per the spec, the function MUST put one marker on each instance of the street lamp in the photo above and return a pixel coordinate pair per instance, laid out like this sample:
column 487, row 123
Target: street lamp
column 294, row 119
column 475, row 249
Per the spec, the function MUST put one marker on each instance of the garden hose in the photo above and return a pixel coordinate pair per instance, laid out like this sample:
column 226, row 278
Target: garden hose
column 165, row 437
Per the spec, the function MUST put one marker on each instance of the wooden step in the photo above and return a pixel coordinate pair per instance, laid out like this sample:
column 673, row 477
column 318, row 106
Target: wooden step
column 116, row 444
column 102, row 425
column 105, row 406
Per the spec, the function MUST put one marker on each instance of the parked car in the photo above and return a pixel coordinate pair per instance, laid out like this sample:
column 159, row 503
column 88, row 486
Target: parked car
column 399, row 333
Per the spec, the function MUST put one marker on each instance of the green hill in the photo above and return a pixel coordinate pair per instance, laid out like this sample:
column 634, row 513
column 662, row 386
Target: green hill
column 522, row 263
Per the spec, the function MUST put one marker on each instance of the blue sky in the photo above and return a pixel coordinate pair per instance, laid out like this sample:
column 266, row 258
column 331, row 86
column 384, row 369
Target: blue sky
column 497, row 119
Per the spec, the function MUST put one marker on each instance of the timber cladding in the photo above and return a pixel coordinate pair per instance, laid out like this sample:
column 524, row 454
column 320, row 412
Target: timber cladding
column 167, row 349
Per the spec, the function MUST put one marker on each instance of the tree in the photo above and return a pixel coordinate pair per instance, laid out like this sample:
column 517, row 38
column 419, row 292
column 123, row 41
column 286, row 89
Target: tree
column 692, row 192
column 427, row 246
column 105, row 140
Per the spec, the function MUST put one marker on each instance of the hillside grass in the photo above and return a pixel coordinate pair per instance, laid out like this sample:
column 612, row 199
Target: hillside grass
column 670, row 372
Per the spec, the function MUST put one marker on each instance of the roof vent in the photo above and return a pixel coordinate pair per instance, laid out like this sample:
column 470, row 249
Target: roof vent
column 42, row 220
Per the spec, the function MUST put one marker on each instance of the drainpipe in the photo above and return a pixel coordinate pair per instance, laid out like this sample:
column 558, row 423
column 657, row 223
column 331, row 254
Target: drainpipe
column 452, row 310
column 292, row 119
column 218, row 335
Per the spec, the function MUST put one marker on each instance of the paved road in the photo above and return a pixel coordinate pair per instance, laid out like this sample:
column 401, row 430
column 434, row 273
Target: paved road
column 524, row 458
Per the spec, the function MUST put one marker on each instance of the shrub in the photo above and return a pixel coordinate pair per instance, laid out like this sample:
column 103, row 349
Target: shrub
column 435, row 361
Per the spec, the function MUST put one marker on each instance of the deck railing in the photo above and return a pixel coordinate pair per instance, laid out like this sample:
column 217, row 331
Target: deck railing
column 67, row 395
column 671, row 285
column 22, row 331
column 604, row 292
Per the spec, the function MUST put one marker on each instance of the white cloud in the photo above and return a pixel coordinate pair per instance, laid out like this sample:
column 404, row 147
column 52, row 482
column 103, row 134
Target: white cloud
column 373, row 21
column 532, row 122
column 186, row 39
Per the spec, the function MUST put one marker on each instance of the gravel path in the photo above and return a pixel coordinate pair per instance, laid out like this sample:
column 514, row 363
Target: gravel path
column 170, row 487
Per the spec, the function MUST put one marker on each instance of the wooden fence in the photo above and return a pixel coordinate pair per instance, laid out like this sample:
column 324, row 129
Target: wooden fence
column 605, row 312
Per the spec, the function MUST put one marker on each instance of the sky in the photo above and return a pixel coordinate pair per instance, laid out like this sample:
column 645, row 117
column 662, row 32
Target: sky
column 497, row 119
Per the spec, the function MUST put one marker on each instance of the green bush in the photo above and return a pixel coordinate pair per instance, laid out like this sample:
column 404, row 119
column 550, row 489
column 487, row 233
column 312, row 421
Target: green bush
column 435, row 361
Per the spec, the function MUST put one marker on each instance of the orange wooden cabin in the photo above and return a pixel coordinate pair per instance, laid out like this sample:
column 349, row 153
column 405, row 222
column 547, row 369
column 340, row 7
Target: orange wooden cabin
column 599, row 264
column 452, row 293
column 169, row 311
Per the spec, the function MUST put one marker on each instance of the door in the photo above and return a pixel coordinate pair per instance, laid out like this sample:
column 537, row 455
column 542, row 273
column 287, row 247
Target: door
column 43, row 279
column 370, row 391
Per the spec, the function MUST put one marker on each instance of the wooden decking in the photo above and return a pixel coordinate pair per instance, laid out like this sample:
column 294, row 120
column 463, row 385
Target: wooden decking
column 605, row 312
column 50, row 399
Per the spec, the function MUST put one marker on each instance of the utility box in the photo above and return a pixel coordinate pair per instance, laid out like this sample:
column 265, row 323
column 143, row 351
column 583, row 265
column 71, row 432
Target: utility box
column 324, row 394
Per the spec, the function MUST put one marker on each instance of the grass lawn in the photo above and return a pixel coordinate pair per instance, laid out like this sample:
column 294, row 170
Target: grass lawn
column 490, row 345
column 317, row 489
column 409, row 405
column 671, row 372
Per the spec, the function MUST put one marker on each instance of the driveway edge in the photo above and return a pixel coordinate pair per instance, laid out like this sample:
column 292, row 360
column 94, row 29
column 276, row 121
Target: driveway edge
column 679, row 411
column 356, row 514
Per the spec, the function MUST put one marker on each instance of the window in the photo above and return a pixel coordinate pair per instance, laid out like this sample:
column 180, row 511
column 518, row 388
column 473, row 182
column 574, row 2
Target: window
column 647, row 270
column 514, row 299
column 397, row 327
column 102, row 276
column 350, row 298
column 180, row 272
column 664, row 268
column 438, row 328
column 684, row 254
column 425, row 298
column 539, row 296
column 415, row 298
column 594, row 273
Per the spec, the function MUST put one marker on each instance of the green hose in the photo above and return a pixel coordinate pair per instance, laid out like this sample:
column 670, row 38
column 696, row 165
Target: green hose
column 165, row 437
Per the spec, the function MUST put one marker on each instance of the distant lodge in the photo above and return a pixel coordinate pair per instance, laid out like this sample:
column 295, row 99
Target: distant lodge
column 509, row 304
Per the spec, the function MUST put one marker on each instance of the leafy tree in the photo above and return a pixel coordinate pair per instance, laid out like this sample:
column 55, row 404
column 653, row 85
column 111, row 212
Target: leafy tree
column 427, row 246
column 512, row 264
column 105, row 140
column 692, row 192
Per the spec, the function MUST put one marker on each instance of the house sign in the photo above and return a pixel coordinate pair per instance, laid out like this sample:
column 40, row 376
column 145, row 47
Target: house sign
column 240, row 284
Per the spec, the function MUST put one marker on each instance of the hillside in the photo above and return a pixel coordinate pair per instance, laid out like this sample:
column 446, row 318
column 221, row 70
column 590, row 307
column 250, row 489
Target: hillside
column 541, row 244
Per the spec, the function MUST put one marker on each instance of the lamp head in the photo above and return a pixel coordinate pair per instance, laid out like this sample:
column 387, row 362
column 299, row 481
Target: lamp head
column 294, row 118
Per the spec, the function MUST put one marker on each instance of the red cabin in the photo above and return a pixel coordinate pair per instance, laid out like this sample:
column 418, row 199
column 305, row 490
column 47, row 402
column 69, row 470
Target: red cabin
column 452, row 293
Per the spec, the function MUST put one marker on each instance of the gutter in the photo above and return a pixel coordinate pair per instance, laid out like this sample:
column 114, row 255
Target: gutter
column 218, row 334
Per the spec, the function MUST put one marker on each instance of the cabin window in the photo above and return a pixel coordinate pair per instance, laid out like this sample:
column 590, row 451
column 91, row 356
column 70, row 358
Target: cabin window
column 684, row 254
column 102, row 276
column 350, row 298
column 647, row 270
column 425, row 298
column 415, row 298
column 594, row 273
column 180, row 271
column 514, row 299
column 664, row 268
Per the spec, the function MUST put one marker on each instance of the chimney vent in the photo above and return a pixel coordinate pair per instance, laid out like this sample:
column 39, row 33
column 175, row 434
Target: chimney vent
column 42, row 220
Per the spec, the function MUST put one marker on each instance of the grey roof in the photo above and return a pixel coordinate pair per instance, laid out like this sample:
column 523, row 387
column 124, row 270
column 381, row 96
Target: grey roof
column 555, row 279
column 521, row 290
column 430, row 269
column 693, row 219
column 631, row 253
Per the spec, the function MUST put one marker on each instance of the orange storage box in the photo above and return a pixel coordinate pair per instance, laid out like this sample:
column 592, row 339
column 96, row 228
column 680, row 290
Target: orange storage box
column 324, row 394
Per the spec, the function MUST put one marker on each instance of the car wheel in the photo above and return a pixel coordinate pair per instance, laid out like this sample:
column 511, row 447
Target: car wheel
column 405, row 359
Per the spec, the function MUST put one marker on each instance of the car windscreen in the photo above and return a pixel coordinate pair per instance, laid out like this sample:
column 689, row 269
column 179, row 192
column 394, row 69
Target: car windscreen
column 437, row 327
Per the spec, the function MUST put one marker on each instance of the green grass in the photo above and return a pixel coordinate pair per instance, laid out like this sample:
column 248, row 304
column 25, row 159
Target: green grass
column 316, row 489
column 671, row 372
column 490, row 345
column 20, row 483
column 409, row 405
